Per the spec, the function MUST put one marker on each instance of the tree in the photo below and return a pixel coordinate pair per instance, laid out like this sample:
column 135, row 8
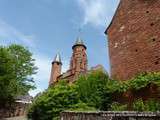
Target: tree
column 87, row 94
column 16, row 68
column 53, row 101
column 92, row 90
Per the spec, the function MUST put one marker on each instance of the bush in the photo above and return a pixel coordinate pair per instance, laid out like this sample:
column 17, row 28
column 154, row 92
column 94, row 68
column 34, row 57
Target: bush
column 118, row 107
column 92, row 90
column 80, row 106
column 144, row 79
column 53, row 101
column 139, row 105
column 149, row 105
column 87, row 94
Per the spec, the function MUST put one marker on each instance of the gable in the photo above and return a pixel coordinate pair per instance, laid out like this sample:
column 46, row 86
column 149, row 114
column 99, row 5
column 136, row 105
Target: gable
column 113, row 18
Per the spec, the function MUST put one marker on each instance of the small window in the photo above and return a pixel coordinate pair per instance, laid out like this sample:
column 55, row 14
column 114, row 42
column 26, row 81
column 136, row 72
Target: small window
column 153, row 39
column 136, row 50
column 152, row 24
column 147, row 11
column 156, row 63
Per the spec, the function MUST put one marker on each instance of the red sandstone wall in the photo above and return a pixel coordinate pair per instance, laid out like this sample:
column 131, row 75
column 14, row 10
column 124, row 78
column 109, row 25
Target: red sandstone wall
column 134, row 38
column 17, row 109
column 55, row 72
column 78, row 60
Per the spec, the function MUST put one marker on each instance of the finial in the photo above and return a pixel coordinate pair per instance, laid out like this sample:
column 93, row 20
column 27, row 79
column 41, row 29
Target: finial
column 79, row 31
column 79, row 40
column 57, row 58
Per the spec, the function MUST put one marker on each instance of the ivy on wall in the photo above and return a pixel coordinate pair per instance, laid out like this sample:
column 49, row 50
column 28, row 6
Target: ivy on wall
column 92, row 92
column 140, row 81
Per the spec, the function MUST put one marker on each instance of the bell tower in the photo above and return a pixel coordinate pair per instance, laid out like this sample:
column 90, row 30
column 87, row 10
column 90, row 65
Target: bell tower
column 55, row 70
column 78, row 63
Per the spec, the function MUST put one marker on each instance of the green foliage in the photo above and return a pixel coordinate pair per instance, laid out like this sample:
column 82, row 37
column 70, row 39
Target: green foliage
column 114, row 86
column 92, row 90
column 56, row 99
column 149, row 105
column 80, row 106
column 118, row 107
column 136, row 83
column 16, row 69
column 145, row 79
column 152, row 105
column 87, row 94
column 139, row 105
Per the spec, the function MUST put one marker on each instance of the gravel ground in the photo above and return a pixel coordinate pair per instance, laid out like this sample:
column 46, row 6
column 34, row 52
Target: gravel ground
column 17, row 118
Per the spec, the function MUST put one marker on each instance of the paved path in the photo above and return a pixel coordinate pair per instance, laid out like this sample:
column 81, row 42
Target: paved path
column 17, row 118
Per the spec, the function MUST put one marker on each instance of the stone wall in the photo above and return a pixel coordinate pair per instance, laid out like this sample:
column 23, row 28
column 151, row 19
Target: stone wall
column 110, row 115
column 17, row 109
column 134, row 38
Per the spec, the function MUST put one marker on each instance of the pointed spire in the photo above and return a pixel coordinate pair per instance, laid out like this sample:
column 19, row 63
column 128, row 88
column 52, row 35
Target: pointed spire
column 57, row 58
column 79, row 42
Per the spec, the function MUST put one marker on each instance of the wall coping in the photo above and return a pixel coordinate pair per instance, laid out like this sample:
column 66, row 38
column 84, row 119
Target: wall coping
column 116, row 113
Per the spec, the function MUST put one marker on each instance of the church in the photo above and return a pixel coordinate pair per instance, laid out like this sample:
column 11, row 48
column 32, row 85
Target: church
column 78, row 65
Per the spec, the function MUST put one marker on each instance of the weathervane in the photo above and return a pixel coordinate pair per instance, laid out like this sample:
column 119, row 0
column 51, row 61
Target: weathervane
column 79, row 31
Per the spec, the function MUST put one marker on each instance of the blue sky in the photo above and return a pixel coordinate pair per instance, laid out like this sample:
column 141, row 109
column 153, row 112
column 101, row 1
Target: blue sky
column 50, row 26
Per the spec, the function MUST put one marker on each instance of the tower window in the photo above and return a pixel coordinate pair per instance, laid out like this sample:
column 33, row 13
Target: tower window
column 152, row 24
column 156, row 63
column 136, row 50
column 153, row 39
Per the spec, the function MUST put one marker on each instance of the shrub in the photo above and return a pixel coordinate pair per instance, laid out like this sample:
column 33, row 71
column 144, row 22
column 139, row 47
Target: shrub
column 149, row 105
column 53, row 101
column 91, row 89
column 80, row 106
column 139, row 105
column 118, row 107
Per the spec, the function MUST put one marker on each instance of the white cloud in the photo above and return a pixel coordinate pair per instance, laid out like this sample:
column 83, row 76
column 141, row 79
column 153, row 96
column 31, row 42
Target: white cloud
column 43, row 74
column 9, row 34
column 65, row 66
column 98, row 12
column 35, row 92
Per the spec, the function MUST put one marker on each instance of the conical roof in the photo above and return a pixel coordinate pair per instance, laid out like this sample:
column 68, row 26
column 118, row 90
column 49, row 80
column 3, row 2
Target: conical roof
column 79, row 42
column 57, row 58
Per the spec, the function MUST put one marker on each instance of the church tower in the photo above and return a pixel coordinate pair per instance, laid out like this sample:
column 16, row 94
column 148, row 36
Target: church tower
column 55, row 70
column 134, row 38
column 78, row 63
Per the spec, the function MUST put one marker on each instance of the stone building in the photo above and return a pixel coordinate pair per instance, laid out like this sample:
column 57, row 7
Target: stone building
column 134, row 38
column 18, row 108
column 78, row 64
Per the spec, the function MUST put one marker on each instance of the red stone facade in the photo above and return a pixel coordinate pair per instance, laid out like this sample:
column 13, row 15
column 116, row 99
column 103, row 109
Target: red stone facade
column 78, row 64
column 134, row 38
column 17, row 109
column 55, row 72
